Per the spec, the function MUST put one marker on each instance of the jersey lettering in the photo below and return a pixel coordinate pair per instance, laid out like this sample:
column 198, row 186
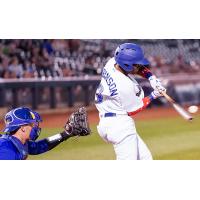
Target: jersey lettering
column 110, row 82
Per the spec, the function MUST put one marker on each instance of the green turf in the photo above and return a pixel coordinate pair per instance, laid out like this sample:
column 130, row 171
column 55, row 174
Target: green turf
column 170, row 138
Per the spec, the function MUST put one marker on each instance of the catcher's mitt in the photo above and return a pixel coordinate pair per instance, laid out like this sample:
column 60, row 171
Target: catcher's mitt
column 77, row 124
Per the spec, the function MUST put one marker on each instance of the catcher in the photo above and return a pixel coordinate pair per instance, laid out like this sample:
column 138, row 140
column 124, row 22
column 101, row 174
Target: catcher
column 22, row 129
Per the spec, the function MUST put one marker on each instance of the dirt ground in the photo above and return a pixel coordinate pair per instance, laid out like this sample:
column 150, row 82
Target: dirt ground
column 58, row 118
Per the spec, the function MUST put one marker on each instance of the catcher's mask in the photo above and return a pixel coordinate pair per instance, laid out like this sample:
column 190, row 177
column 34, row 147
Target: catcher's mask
column 18, row 117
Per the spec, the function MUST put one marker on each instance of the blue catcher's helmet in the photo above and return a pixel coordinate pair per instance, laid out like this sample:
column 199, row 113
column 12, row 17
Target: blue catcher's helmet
column 129, row 54
column 18, row 117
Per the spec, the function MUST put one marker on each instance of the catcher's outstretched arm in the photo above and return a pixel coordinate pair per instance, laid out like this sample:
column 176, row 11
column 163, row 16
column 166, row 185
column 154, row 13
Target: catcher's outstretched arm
column 77, row 125
column 46, row 144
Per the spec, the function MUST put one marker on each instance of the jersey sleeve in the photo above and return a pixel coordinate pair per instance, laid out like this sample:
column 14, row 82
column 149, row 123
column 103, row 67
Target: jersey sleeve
column 37, row 147
column 6, row 153
column 131, row 97
column 146, row 101
column 46, row 144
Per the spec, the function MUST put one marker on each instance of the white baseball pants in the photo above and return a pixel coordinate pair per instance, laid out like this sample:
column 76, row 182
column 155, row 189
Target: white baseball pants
column 120, row 131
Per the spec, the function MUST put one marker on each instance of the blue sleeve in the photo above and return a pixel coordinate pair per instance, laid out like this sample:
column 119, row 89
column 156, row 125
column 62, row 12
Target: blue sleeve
column 46, row 144
column 37, row 147
column 7, row 153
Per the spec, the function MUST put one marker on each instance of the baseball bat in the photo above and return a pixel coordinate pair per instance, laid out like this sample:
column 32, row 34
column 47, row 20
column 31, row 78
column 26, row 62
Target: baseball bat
column 177, row 107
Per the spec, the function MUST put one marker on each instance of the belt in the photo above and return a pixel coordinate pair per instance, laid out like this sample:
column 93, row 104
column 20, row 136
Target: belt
column 109, row 115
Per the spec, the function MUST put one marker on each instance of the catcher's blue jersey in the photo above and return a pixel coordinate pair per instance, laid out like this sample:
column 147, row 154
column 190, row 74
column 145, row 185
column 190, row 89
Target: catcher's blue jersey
column 11, row 148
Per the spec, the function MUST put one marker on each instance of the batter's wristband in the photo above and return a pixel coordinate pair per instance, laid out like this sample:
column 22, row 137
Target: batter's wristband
column 151, row 97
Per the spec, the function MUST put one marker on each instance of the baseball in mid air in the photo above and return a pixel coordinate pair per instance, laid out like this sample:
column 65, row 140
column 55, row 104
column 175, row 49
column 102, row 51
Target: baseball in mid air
column 193, row 109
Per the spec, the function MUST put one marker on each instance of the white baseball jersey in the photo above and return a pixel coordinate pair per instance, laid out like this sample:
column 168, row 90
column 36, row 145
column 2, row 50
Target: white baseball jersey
column 117, row 93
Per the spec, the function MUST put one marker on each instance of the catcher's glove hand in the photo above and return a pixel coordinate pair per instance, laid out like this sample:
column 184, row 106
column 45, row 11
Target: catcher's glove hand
column 77, row 124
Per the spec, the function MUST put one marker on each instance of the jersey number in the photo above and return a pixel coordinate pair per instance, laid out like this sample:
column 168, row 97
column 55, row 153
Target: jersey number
column 98, row 95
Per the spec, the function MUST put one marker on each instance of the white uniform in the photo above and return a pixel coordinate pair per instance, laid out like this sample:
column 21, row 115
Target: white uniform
column 116, row 95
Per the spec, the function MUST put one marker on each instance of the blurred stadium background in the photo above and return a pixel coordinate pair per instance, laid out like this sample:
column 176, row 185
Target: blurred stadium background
column 56, row 76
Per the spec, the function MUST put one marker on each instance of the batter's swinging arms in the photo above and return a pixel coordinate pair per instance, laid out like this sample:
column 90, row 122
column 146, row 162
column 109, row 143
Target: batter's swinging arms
column 119, row 97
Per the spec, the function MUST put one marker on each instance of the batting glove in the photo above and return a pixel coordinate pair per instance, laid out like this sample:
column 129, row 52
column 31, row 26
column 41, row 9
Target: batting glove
column 156, row 84
column 155, row 94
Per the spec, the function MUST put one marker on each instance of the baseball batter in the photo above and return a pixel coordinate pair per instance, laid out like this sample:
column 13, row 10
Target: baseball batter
column 119, row 97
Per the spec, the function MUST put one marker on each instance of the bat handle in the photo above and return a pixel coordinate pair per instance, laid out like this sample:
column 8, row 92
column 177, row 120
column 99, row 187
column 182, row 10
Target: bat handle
column 167, row 97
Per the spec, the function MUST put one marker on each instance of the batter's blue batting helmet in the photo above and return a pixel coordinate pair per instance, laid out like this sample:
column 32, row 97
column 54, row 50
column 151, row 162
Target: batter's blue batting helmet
column 129, row 54
column 18, row 117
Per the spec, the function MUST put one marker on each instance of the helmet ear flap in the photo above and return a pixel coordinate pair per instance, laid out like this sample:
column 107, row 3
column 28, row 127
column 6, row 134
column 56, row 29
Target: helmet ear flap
column 130, row 69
